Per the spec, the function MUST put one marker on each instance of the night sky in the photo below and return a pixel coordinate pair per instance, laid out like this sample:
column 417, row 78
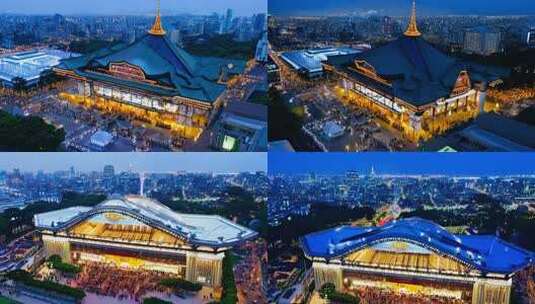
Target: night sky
column 138, row 162
column 402, row 7
column 129, row 7
column 404, row 163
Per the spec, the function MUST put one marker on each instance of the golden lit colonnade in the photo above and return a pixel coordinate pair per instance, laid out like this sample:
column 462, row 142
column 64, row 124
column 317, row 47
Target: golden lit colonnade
column 413, row 86
column 152, row 80
column 139, row 233
column 416, row 257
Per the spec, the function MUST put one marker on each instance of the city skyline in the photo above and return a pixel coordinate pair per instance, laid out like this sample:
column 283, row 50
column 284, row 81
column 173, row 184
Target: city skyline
column 453, row 164
column 135, row 7
column 139, row 162
column 397, row 7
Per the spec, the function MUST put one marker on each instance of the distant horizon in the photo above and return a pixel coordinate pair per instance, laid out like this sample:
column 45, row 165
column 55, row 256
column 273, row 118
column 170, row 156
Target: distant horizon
column 427, row 8
column 151, row 15
column 402, row 16
column 134, row 7
column 446, row 164
column 202, row 162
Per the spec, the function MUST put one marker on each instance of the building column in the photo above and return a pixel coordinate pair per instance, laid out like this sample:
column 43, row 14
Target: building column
column 416, row 121
column 481, row 95
column 345, row 85
column 491, row 292
column 83, row 88
column 204, row 268
column 327, row 273
column 57, row 246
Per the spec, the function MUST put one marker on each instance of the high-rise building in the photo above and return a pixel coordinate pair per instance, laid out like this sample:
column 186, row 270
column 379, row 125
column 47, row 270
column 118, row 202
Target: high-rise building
column 227, row 24
column 262, row 49
column 352, row 175
column 176, row 37
column 260, row 23
column 529, row 37
column 388, row 26
column 8, row 41
column 482, row 40
column 108, row 172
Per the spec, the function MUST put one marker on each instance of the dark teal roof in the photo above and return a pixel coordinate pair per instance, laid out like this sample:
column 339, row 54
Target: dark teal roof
column 420, row 74
column 186, row 75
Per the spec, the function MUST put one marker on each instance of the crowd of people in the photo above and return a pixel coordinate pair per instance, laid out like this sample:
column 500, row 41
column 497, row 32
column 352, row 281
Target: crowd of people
column 376, row 296
column 119, row 283
column 524, row 282
column 511, row 95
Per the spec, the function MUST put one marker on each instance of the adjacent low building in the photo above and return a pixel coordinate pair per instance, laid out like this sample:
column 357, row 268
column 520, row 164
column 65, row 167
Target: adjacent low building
column 309, row 62
column 242, row 127
column 101, row 140
column 332, row 129
column 139, row 233
column 489, row 132
column 29, row 66
column 416, row 257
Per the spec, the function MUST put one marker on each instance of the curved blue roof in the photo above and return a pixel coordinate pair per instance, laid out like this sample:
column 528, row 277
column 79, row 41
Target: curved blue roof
column 485, row 253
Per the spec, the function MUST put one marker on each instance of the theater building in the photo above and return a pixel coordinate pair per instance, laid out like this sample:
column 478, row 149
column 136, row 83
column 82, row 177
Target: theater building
column 416, row 257
column 151, row 80
column 135, row 232
column 412, row 85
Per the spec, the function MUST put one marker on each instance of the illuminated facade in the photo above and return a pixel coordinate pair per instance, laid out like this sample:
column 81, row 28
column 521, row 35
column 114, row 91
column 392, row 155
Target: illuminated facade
column 416, row 257
column 413, row 86
column 138, row 233
column 152, row 80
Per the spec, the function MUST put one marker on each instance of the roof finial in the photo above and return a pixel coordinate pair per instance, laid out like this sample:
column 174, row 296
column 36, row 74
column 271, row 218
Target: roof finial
column 412, row 29
column 157, row 28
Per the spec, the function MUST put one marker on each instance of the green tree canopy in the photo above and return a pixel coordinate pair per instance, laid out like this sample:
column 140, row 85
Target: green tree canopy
column 28, row 134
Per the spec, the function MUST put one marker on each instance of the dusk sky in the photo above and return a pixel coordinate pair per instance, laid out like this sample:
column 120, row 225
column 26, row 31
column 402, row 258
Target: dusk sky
column 129, row 7
column 404, row 163
column 402, row 7
column 139, row 162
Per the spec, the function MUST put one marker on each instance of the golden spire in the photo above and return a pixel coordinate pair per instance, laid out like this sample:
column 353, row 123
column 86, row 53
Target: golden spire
column 157, row 28
column 412, row 29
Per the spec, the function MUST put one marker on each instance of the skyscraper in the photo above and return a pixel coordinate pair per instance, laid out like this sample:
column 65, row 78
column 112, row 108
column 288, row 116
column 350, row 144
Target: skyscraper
column 108, row 176
column 227, row 24
column 108, row 172
column 176, row 37
column 482, row 40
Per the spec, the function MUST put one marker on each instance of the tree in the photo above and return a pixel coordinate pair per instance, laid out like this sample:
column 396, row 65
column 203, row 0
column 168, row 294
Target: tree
column 153, row 300
column 55, row 262
column 230, row 292
column 327, row 290
column 28, row 134
column 285, row 123
column 25, row 278
column 223, row 46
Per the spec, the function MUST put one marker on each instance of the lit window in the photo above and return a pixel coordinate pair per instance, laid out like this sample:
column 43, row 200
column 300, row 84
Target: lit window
column 229, row 143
